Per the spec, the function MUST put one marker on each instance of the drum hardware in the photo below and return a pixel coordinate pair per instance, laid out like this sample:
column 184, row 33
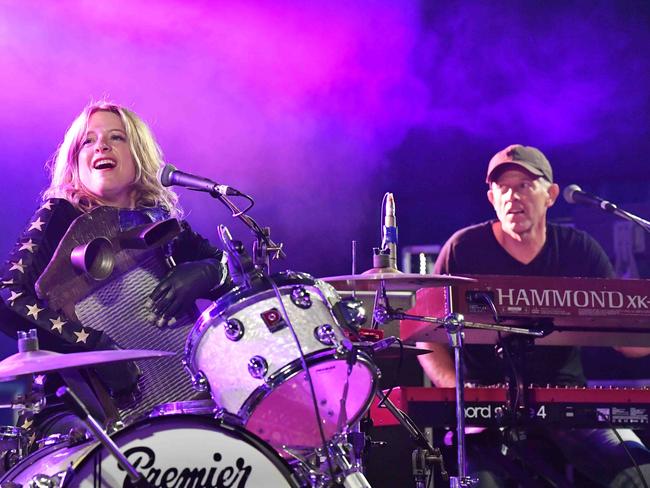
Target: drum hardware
column 264, row 249
column 33, row 401
column 233, row 329
column 258, row 367
column 325, row 334
column 351, row 314
column 74, row 437
column 195, row 407
column 14, row 444
column 335, row 464
column 76, row 405
column 199, row 381
column 425, row 456
column 300, row 297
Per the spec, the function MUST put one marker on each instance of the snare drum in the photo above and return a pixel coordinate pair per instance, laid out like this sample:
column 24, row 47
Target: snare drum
column 175, row 450
column 244, row 351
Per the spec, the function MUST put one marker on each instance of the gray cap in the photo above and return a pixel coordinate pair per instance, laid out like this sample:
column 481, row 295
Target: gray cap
column 528, row 157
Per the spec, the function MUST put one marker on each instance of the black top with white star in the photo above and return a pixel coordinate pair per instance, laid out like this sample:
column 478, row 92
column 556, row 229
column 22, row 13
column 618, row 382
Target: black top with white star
column 20, row 309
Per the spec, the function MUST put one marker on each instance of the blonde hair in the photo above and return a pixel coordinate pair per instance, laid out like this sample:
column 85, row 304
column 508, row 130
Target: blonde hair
column 147, row 157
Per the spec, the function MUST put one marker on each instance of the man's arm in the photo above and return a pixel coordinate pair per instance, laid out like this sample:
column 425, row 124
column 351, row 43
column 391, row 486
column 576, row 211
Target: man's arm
column 438, row 365
column 633, row 352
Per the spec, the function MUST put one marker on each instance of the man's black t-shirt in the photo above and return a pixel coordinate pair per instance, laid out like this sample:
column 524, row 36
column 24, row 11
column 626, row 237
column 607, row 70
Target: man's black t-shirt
column 567, row 252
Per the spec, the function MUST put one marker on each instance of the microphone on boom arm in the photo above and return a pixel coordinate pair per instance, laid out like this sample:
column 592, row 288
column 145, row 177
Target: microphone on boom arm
column 575, row 195
column 170, row 176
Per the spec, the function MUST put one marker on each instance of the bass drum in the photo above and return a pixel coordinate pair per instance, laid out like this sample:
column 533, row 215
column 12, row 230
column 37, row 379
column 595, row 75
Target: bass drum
column 174, row 450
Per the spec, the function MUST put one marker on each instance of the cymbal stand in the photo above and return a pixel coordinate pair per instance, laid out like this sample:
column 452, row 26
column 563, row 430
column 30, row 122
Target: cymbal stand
column 425, row 456
column 454, row 325
column 77, row 406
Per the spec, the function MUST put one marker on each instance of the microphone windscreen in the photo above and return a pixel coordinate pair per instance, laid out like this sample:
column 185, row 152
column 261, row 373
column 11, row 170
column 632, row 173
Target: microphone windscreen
column 164, row 174
column 569, row 191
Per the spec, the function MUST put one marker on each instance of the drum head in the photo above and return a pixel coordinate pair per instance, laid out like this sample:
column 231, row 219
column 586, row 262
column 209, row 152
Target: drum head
column 175, row 450
column 284, row 414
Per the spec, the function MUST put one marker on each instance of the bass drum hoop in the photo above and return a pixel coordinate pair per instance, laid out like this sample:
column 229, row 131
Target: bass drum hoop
column 93, row 448
column 211, row 424
column 42, row 453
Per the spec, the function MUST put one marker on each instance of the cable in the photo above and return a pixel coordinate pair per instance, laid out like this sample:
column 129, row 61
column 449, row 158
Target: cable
column 513, row 368
column 382, row 216
column 303, row 363
column 490, row 303
column 627, row 451
column 234, row 209
column 397, row 373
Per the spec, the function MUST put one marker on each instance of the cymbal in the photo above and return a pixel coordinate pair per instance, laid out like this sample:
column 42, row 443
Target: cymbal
column 41, row 361
column 393, row 281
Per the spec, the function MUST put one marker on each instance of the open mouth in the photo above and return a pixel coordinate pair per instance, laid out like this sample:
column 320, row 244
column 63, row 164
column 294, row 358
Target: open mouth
column 515, row 212
column 104, row 164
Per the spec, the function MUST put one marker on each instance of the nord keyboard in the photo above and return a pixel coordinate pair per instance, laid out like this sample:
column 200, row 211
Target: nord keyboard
column 578, row 311
column 563, row 407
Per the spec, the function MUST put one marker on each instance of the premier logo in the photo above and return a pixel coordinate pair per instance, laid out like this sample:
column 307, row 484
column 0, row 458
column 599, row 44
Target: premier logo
column 144, row 458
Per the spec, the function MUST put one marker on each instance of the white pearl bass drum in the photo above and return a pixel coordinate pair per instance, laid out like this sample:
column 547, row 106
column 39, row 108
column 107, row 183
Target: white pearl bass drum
column 175, row 450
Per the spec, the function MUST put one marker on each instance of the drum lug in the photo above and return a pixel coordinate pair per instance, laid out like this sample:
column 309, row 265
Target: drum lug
column 300, row 297
column 257, row 367
column 45, row 481
column 229, row 418
column 200, row 382
column 325, row 334
column 350, row 312
column 234, row 329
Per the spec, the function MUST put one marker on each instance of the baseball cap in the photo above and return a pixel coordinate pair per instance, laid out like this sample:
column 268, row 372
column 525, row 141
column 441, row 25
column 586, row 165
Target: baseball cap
column 528, row 157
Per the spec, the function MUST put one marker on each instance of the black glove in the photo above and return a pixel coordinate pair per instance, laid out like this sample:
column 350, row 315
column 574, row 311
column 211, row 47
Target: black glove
column 121, row 378
column 184, row 284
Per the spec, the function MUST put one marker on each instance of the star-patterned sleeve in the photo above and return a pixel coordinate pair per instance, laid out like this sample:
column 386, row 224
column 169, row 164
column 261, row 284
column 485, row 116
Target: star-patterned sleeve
column 30, row 256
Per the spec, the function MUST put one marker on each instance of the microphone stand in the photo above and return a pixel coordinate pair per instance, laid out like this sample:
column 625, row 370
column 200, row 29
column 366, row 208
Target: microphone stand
column 619, row 212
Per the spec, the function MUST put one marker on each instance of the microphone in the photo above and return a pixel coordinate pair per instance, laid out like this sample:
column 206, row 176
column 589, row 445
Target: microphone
column 384, row 258
column 170, row 176
column 574, row 194
column 389, row 231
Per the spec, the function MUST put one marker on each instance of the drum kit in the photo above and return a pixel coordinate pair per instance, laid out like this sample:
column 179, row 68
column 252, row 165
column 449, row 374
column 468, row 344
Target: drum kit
column 288, row 381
